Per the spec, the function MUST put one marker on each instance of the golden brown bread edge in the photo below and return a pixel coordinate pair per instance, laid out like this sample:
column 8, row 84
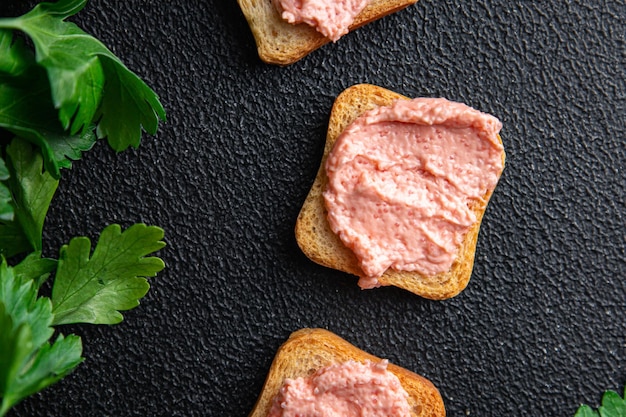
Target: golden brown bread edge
column 321, row 245
column 308, row 350
column 282, row 43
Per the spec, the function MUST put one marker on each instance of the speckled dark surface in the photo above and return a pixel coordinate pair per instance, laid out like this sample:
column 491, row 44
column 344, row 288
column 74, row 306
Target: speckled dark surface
column 539, row 330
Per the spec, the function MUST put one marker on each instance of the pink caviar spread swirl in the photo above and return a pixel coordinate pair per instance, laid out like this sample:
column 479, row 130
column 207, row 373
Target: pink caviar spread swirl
column 331, row 18
column 349, row 389
column 402, row 180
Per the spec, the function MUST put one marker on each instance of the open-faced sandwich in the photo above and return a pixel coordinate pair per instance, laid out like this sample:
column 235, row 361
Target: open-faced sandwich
column 401, row 190
column 287, row 30
column 317, row 373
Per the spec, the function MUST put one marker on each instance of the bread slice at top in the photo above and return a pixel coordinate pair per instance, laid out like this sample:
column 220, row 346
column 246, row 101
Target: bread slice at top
column 320, row 244
column 308, row 350
column 282, row 43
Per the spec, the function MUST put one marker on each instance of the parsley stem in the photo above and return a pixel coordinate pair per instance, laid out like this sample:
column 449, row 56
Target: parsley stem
column 9, row 23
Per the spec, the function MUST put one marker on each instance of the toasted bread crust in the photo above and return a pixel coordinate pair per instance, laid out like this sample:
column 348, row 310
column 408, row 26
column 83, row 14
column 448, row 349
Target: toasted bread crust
column 321, row 245
column 308, row 350
column 282, row 43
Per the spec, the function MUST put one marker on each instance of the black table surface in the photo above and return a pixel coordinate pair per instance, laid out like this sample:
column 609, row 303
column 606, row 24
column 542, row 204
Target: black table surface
column 539, row 330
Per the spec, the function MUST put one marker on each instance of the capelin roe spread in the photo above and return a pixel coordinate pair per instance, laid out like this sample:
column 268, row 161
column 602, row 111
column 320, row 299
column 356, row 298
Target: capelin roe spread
column 402, row 180
column 331, row 18
column 348, row 389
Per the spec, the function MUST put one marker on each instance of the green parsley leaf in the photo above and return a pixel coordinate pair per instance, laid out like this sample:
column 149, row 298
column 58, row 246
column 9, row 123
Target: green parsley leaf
column 34, row 267
column 26, row 110
column 586, row 411
column 60, row 48
column 119, row 124
column 93, row 289
column 50, row 364
column 6, row 209
column 68, row 148
column 14, row 346
column 63, row 9
column 87, row 80
column 28, row 363
column 13, row 241
column 612, row 406
column 22, row 373
column 33, row 190
column 21, row 303
column 16, row 58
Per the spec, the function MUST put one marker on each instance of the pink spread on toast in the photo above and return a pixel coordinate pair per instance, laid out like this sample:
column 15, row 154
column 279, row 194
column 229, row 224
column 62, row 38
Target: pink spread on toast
column 331, row 18
column 343, row 390
column 402, row 180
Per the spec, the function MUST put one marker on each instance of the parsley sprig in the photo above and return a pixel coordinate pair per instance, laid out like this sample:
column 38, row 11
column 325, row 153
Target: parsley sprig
column 61, row 95
column 32, row 189
column 87, row 86
column 86, row 289
column 56, row 100
column 28, row 361
column 91, row 289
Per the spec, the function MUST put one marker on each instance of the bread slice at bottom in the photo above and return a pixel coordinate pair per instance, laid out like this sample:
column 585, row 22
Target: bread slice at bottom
column 320, row 244
column 308, row 350
column 282, row 43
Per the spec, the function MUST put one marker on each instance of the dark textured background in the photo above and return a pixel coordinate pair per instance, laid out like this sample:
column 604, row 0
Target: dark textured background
column 541, row 327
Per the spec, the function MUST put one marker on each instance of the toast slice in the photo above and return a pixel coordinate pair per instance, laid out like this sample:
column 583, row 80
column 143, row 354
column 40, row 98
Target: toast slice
column 320, row 244
column 308, row 350
column 282, row 43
